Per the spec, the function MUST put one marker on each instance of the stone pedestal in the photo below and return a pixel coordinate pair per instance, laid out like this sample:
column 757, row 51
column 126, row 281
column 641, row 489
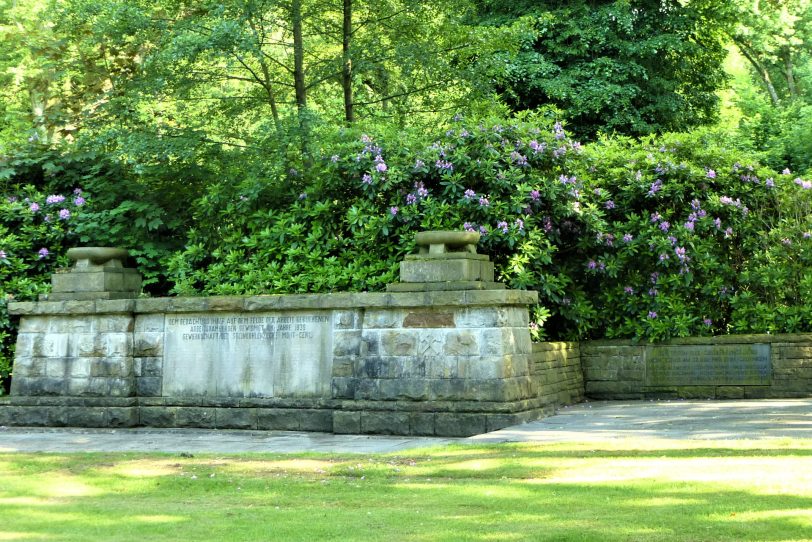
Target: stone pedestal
column 97, row 273
column 446, row 260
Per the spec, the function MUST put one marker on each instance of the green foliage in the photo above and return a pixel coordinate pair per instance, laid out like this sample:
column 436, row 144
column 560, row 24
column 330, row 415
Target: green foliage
column 677, row 236
column 699, row 239
column 35, row 232
column 615, row 66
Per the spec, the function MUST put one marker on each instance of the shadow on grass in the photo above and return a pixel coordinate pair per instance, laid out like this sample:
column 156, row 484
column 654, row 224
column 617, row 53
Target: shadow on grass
column 507, row 492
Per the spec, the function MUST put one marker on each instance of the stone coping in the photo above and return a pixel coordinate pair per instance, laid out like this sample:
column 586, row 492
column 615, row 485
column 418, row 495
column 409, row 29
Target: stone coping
column 719, row 339
column 347, row 301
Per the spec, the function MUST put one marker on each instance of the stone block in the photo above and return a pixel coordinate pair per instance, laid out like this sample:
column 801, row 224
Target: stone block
column 235, row 418
column 148, row 386
column 347, row 319
column 29, row 367
column 148, row 344
column 383, row 319
column 344, row 387
column 448, row 389
column 195, row 417
column 397, row 390
column 452, row 424
column 115, row 323
column 398, row 343
column 428, row 319
column 343, row 367
column 38, row 386
column 33, row 324
column 226, row 303
column 347, row 343
column 149, row 323
column 87, row 416
column 150, row 366
column 730, row 392
column 461, row 343
column 122, row 417
column 158, row 416
column 385, row 423
column 347, row 422
column 444, row 270
column 56, row 367
column 421, row 423
column 116, row 304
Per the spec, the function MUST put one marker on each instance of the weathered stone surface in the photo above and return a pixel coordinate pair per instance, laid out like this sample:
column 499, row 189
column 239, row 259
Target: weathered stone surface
column 148, row 344
column 346, row 422
column 398, row 343
column 195, row 417
column 235, row 418
column 459, row 425
column 747, row 364
column 446, row 270
column 461, row 343
column 149, row 386
column 385, row 423
column 149, row 323
column 428, row 319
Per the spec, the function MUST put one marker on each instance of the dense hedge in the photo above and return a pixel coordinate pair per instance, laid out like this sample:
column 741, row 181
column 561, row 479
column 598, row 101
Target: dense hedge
column 679, row 235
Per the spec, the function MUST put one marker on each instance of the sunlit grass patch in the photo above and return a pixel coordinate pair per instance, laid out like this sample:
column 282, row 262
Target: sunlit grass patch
column 618, row 490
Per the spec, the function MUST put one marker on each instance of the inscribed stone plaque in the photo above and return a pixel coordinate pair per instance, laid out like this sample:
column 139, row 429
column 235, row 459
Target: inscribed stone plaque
column 709, row 365
column 270, row 354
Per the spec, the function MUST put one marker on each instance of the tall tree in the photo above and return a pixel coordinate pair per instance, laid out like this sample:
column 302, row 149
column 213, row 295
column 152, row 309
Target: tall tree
column 627, row 66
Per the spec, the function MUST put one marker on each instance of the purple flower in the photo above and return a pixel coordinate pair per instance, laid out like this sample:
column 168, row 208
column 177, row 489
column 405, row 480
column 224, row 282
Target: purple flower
column 366, row 179
column 54, row 199
column 468, row 227
column 469, row 194
column 34, row 207
column 64, row 214
column 652, row 292
column 334, row 158
column 483, row 230
column 381, row 167
column 393, row 210
column 655, row 217
column 655, row 187
column 695, row 204
column 689, row 226
column 444, row 164
column 652, row 315
column 728, row 233
column 672, row 240
column 483, row 202
column 786, row 172
column 419, row 164
column 769, row 183
column 77, row 191
column 663, row 257
column 410, row 199
column 628, row 238
column 302, row 196
column 680, row 252
column 2, row 255
column 422, row 191
column 537, row 147
column 535, row 195
column 42, row 253
column 609, row 204
column 708, row 322
column 520, row 224
column 592, row 264
column 786, row 241
column 79, row 201
column 807, row 235
column 718, row 223
column 665, row 225
column 518, row 158
column 502, row 225
column 629, row 290
column 654, row 277
column 711, row 174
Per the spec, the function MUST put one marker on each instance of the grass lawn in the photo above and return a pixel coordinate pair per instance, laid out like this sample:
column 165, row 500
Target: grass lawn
column 624, row 490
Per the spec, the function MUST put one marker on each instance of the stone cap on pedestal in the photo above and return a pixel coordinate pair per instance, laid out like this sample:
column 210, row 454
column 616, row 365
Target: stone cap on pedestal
column 97, row 273
column 447, row 242
column 87, row 256
column 446, row 260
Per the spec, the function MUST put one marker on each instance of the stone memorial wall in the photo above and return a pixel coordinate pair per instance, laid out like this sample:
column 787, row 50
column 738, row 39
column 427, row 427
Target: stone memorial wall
column 446, row 351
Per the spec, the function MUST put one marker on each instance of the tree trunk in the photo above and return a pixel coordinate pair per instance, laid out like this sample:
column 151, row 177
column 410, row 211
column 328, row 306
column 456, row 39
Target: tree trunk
column 789, row 70
column 346, row 73
column 760, row 70
column 298, row 56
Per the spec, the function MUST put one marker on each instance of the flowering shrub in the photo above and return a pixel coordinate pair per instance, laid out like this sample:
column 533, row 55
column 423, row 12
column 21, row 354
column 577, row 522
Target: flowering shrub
column 699, row 239
column 35, row 232
column 678, row 236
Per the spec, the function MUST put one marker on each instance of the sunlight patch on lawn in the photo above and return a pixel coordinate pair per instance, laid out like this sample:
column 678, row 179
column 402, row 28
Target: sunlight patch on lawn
column 157, row 518
column 25, row 501
column 767, row 473
column 143, row 468
column 60, row 485
column 9, row 535
column 803, row 517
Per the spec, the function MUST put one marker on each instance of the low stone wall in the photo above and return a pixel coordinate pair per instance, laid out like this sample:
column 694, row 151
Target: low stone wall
column 556, row 366
column 426, row 363
column 725, row 367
